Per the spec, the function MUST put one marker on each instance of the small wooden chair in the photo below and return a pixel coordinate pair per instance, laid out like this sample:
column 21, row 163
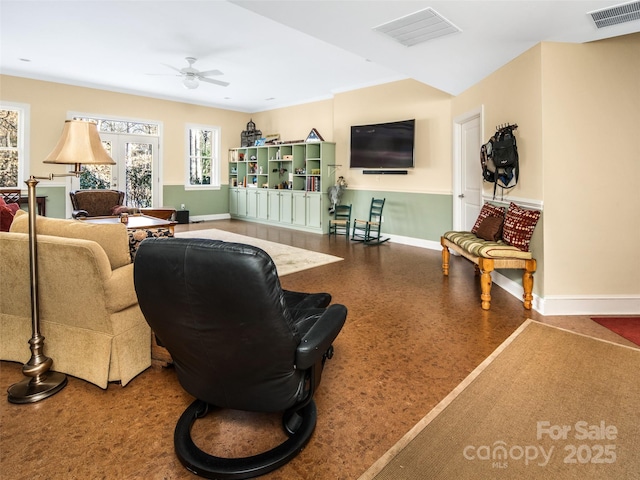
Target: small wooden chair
column 340, row 224
column 10, row 195
column 369, row 231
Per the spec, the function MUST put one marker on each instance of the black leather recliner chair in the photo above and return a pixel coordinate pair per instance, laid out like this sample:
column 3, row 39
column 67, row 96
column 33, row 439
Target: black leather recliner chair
column 220, row 311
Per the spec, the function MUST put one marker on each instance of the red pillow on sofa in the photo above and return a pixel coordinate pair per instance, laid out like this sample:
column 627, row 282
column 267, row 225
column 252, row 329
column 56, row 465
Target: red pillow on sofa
column 7, row 212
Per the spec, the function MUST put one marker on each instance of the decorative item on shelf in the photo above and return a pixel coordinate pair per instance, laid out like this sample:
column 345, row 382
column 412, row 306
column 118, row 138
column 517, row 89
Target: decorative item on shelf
column 287, row 157
column 249, row 136
column 124, row 217
column 79, row 143
column 259, row 142
column 240, row 157
column 272, row 139
column 314, row 136
column 335, row 193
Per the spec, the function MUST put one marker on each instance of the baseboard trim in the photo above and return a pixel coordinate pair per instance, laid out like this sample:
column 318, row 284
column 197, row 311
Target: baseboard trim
column 591, row 305
column 206, row 218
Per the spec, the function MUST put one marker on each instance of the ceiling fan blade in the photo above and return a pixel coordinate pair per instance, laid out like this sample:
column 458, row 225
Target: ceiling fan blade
column 210, row 73
column 172, row 68
column 215, row 82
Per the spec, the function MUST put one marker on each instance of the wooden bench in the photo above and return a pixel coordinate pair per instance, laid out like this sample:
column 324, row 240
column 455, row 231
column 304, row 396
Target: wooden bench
column 489, row 256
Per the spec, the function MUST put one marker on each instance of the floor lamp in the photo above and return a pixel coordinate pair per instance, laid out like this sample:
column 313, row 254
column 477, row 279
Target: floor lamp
column 80, row 143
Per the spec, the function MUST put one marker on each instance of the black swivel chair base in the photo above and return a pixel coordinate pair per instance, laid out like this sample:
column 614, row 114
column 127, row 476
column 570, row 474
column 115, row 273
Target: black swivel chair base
column 208, row 466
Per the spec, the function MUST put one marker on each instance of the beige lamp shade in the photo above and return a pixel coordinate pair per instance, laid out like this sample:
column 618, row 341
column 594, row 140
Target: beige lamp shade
column 79, row 144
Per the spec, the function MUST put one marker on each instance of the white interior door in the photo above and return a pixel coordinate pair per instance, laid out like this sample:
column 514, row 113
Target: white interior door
column 467, row 174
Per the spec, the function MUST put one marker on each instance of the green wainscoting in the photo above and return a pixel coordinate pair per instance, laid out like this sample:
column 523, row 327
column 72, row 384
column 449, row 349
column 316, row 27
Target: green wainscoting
column 198, row 202
column 56, row 201
column 415, row 215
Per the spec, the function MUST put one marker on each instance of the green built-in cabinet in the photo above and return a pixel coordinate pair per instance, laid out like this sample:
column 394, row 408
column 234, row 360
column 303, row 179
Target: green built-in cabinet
column 282, row 184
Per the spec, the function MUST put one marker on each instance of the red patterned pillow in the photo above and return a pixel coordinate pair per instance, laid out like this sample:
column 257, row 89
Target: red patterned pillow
column 488, row 210
column 519, row 224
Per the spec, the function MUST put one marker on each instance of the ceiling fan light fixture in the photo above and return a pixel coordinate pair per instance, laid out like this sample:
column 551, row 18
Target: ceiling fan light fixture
column 190, row 82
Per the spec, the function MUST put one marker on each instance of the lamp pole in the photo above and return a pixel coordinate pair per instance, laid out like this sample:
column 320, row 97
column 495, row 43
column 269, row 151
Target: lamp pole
column 40, row 382
column 79, row 141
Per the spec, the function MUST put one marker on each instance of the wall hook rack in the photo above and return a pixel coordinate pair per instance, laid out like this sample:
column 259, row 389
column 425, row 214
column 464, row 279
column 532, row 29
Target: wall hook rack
column 504, row 126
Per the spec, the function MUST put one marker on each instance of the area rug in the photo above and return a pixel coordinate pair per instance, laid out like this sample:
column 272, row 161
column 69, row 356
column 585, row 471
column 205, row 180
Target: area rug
column 287, row 259
column 548, row 403
column 627, row 327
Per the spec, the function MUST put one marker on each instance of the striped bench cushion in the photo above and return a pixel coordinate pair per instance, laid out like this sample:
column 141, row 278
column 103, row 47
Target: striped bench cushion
column 483, row 248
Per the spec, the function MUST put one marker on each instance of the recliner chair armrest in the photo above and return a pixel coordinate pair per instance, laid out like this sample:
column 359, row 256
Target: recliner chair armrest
column 79, row 213
column 320, row 336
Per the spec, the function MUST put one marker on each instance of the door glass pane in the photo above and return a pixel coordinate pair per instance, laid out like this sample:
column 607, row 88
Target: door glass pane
column 138, row 161
column 8, row 148
column 97, row 176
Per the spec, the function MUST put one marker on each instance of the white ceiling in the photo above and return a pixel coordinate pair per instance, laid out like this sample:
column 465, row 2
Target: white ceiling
column 275, row 53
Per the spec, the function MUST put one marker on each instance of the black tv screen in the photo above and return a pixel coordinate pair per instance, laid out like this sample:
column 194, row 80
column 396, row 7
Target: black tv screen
column 383, row 145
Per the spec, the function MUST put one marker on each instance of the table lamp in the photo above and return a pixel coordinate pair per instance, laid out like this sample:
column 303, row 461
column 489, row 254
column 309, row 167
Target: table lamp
column 80, row 143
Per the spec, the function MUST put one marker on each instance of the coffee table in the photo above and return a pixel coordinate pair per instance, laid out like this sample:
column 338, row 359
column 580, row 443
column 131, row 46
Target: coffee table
column 135, row 221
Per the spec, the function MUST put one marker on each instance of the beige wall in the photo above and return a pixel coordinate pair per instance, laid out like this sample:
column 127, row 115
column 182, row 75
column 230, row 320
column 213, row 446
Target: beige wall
column 578, row 112
column 295, row 123
column 513, row 94
column 591, row 155
column 402, row 100
column 50, row 103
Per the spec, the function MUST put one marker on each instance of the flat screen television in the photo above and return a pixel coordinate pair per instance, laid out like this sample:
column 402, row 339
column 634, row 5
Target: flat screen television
column 383, row 145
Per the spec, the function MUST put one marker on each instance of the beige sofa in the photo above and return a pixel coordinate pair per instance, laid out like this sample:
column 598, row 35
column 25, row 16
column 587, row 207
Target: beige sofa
column 89, row 313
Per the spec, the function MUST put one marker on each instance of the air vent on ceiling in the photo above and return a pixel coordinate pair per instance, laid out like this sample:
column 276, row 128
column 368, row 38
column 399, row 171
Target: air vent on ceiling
column 418, row 27
column 625, row 12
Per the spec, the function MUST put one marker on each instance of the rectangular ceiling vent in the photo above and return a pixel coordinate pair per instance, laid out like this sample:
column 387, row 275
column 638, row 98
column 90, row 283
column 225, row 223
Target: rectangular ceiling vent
column 418, row 27
column 625, row 12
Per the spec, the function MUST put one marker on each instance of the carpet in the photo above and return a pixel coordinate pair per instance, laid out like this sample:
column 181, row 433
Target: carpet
column 287, row 259
column 548, row 403
column 627, row 327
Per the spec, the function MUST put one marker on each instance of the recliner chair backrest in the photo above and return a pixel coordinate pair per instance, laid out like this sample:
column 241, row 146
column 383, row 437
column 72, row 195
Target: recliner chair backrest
column 210, row 301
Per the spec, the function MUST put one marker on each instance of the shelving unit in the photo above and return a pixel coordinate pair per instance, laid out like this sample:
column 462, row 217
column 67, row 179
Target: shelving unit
column 295, row 176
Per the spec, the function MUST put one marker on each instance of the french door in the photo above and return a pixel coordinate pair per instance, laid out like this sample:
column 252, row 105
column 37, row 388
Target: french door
column 135, row 172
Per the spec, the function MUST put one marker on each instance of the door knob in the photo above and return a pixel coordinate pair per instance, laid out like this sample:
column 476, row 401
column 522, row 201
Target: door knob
column 461, row 195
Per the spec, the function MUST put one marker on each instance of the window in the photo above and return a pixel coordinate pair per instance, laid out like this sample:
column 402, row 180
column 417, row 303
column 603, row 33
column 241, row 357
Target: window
column 203, row 157
column 14, row 158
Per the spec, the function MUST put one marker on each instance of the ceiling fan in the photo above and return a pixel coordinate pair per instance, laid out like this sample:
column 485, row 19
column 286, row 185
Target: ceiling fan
column 191, row 77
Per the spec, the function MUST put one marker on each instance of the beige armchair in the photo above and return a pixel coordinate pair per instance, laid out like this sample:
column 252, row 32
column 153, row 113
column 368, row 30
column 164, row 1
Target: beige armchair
column 89, row 313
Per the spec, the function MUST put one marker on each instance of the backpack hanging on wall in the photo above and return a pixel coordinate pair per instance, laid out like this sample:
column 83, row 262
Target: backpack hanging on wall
column 499, row 159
